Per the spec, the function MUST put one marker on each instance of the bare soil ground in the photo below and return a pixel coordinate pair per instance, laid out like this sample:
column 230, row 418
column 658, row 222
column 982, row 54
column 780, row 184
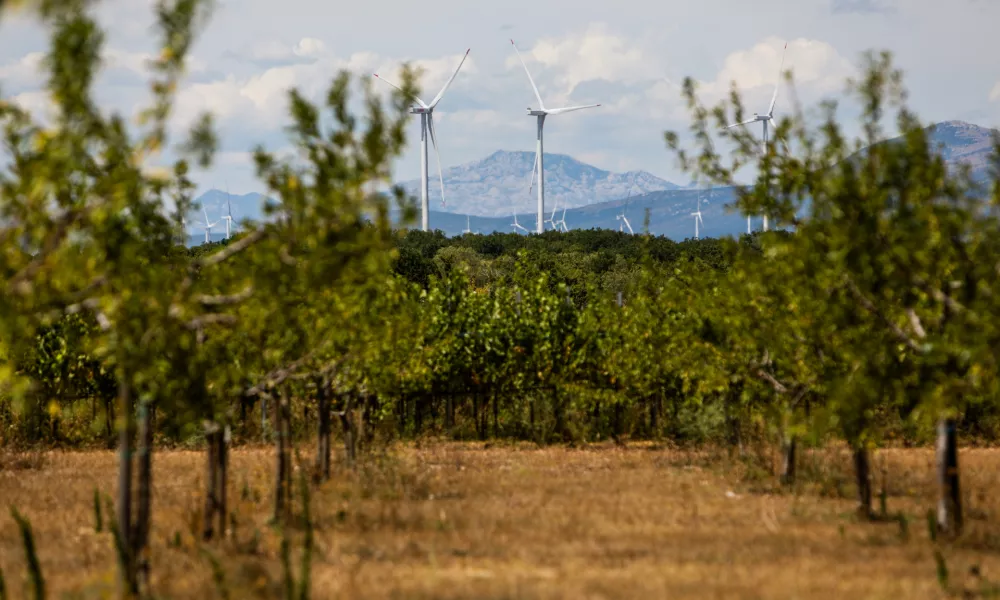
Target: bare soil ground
column 449, row 520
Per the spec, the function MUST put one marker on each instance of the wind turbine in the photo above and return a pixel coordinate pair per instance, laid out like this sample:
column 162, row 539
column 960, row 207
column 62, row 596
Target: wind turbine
column 208, row 227
column 562, row 221
column 426, row 112
column 468, row 227
column 517, row 225
column 624, row 220
column 540, row 115
column 765, row 119
column 697, row 217
column 552, row 218
column 229, row 215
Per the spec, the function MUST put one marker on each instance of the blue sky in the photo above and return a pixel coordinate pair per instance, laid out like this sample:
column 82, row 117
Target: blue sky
column 631, row 56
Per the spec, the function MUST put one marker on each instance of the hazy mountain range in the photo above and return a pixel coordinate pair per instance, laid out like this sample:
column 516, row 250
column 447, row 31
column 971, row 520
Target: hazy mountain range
column 498, row 184
column 488, row 190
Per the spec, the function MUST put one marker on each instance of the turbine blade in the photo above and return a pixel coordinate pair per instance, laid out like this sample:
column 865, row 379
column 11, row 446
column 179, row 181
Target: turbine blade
column 741, row 124
column 559, row 111
column 384, row 80
column 534, row 168
column 541, row 105
column 206, row 214
column 440, row 95
column 437, row 155
column 770, row 109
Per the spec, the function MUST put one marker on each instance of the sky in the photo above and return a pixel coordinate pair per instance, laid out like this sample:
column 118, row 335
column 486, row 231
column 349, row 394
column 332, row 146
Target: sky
column 629, row 55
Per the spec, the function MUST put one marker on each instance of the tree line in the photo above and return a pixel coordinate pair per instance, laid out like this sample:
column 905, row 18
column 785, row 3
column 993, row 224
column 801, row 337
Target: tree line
column 871, row 319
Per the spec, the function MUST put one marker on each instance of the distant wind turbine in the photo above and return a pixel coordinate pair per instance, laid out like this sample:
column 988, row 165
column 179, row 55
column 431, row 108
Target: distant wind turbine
column 517, row 225
column 208, row 227
column 624, row 220
column 562, row 221
column 468, row 226
column 765, row 119
column 540, row 115
column 229, row 215
column 426, row 112
column 697, row 217
column 552, row 218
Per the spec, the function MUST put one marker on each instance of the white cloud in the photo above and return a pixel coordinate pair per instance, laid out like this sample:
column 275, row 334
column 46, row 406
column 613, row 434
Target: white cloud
column 642, row 88
column 310, row 47
column 593, row 54
column 995, row 92
column 38, row 103
column 262, row 98
column 137, row 62
column 24, row 71
column 815, row 65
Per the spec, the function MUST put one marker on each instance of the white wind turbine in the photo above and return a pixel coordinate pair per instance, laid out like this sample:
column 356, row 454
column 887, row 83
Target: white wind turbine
column 229, row 215
column 697, row 217
column 624, row 220
column 765, row 119
column 561, row 223
column 552, row 218
column 517, row 225
column 208, row 227
column 540, row 115
column 426, row 112
column 468, row 226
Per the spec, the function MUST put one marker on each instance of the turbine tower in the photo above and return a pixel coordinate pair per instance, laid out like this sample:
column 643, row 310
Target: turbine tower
column 765, row 119
column 426, row 112
column 468, row 227
column 540, row 115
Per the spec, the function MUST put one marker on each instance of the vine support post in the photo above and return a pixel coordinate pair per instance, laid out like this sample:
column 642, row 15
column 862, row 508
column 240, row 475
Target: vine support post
column 949, row 511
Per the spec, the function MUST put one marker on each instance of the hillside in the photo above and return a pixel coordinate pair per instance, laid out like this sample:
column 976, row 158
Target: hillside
column 670, row 215
column 962, row 143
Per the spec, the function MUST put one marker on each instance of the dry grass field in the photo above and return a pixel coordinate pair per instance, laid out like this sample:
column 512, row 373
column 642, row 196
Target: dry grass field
column 447, row 520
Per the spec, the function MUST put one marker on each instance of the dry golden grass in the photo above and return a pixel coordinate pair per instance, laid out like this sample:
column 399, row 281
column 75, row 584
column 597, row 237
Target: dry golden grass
column 463, row 521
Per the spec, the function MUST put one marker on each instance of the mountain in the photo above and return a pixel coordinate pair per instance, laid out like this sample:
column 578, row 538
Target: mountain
column 498, row 184
column 962, row 143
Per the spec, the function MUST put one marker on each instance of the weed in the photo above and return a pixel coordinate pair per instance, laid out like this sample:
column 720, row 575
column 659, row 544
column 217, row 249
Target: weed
column 30, row 555
column 98, row 520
